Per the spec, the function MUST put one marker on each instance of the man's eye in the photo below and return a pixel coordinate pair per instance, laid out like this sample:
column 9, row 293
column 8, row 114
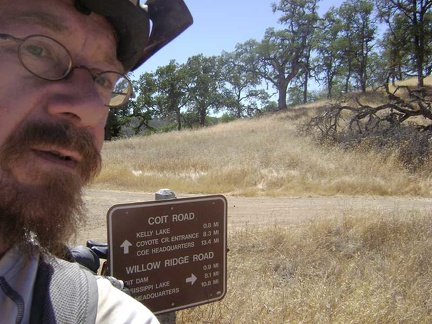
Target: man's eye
column 35, row 50
column 103, row 82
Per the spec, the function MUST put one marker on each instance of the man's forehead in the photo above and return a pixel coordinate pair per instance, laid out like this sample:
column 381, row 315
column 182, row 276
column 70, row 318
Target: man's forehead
column 44, row 19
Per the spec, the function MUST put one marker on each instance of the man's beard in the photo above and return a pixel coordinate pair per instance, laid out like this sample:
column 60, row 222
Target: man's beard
column 49, row 212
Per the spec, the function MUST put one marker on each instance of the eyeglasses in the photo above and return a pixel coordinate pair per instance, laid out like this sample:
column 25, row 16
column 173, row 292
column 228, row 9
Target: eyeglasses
column 48, row 59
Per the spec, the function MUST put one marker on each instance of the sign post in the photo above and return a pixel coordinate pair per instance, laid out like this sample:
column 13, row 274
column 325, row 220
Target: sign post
column 170, row 253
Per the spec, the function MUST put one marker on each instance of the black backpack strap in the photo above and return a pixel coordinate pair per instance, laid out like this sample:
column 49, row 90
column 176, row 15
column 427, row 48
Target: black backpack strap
column 64, row 292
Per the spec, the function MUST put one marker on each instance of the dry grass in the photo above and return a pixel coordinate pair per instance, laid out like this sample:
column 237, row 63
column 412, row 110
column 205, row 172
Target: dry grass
column 368, row 269
column 262, row 156
column 412, row 82
column 364, row 268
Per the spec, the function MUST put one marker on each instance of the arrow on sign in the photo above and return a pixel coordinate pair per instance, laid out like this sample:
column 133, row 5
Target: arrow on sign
column 191, row 279
column 125, row 245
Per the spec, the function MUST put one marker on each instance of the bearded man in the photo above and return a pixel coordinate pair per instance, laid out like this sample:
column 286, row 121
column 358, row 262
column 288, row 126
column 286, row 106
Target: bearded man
column 62, row 67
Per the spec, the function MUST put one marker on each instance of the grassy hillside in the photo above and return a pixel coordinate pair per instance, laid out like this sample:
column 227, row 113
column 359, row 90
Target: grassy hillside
column 262, row 156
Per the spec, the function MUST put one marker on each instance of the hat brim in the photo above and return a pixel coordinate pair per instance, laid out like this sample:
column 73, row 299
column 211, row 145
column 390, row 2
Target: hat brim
column 169, row 18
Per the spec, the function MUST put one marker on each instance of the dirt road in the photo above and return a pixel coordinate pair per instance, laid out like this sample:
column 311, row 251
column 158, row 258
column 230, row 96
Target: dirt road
column 244, row 211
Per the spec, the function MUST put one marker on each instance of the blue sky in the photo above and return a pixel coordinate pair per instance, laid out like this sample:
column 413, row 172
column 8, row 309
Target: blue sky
column 219, row 26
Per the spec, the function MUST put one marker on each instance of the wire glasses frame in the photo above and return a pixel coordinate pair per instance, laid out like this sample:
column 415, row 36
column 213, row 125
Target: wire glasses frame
column 50, row 60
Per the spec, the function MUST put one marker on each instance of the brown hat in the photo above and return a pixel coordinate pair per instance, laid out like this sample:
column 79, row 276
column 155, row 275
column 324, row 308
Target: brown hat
column 138, row 39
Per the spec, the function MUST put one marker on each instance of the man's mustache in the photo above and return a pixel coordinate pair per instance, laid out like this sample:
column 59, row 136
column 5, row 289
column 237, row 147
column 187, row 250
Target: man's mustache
column 60, row 134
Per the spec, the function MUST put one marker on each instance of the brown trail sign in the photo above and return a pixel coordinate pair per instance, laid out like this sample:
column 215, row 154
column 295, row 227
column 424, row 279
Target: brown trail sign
column 171, row 253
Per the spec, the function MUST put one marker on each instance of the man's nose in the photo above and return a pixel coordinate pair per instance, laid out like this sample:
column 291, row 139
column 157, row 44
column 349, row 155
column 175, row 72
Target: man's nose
column 76, row 98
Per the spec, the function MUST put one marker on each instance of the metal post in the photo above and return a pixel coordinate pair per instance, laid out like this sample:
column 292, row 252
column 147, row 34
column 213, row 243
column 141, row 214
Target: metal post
column 164, row 194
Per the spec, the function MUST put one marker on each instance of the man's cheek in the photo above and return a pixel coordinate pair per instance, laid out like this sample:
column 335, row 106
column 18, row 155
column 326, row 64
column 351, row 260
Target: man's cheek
column 23, row 169
column 24, row 173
